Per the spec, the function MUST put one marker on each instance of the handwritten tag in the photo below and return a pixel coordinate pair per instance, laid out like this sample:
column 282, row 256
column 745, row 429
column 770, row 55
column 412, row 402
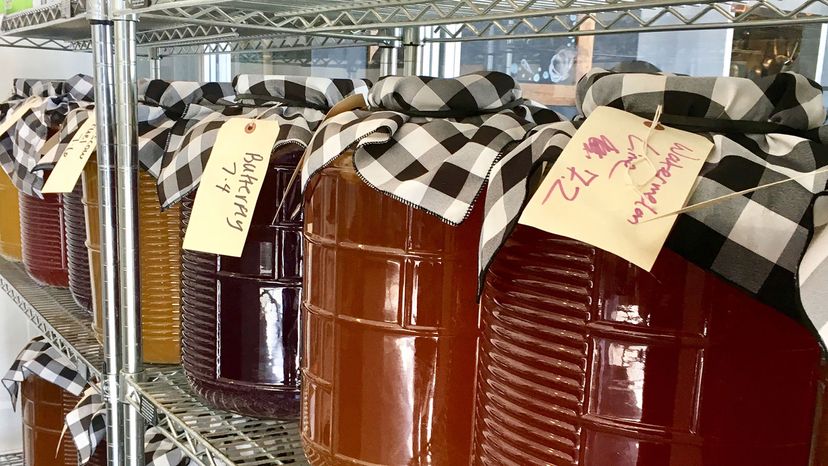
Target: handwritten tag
column 18, row 113
column 70, row 165
column 607, row 188
column 230, row 187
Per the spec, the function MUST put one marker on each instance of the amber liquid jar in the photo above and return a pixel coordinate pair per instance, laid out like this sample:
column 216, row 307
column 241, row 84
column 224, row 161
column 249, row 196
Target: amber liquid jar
column 585, row 359
column 43, row 239
column 44, row 407
column 240, row 315
column 10, row 248
column 74, row 218
column 159, row 245
column 389, row 319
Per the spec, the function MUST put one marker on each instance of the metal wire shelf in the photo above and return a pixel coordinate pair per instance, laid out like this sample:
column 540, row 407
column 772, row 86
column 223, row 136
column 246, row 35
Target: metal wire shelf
column 56, row 315
column 11, row 459
column 211, row 437
column 181, row 23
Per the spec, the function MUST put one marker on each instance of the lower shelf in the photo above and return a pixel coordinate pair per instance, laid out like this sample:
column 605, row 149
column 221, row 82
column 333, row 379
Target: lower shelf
column 55, row 314
column 11, row 459
column 209, row 436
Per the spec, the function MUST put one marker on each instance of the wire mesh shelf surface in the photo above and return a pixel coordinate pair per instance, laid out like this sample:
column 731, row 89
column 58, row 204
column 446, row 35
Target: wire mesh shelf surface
column 210, row 436
column 56, row 315
column 11, row 459
column 169, row 23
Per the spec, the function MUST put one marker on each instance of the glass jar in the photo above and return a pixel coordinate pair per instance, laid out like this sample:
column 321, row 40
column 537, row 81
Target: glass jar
column 43, row 239
column 389, row 321
column 44, row 407
column 240, row 315
column 74, row 218
column 10, row 248
column 586, row 359
column 159, row 246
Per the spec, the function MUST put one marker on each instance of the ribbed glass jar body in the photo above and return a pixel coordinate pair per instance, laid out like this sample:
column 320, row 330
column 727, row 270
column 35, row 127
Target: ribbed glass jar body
column 159, row 246
column 10, row 248
column 240, row 315
column 585, row 359
column 389, row 321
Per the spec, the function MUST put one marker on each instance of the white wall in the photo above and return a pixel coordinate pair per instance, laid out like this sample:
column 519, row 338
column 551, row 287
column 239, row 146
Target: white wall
column 14, row 330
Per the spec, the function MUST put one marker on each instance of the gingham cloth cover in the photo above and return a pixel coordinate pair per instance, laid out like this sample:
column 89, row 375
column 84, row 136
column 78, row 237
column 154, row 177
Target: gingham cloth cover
column 86, row 423
column 74, row 120
column 755, row 240
column 164, row 103
column 40, row 359
column 412, row 146
column 28, row 135
column 297, row 103
column 161, row 451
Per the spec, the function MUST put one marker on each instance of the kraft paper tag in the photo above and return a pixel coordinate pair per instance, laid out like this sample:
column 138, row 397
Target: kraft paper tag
column 70, row 165
column 352, row 102
column 607, row 188
column 230, row 186
column 18, row 113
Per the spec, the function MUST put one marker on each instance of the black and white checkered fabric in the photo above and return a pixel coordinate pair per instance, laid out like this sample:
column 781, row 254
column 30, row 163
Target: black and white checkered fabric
column 297, row 103
column 755, row 240
column 28, row 135
column 40, row 359
column 410, row 147
column 161, row 451
column 296, row 91
column 73, row 122
column 86, row 423
column 37, row 87
column 787, row 99
column 87, row 426
column 162, row 104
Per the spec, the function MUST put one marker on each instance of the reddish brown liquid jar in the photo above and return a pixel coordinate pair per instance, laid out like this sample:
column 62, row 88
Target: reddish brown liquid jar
column 44, row 406
column 43, row 239
column 586, row 359
column 74, row 218
column 240, row 316
column 389, row 327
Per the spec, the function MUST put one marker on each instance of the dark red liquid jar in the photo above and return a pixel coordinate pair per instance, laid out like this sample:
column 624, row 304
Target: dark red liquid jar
column 74, row 217
column 240, row 315
column 585, row 359
column 43, row 238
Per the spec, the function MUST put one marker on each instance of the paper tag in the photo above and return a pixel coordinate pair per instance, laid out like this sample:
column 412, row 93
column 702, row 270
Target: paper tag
column 70, row 165
column 606, row 187
column 230, row 186
column 352, row 102
column 18, row 113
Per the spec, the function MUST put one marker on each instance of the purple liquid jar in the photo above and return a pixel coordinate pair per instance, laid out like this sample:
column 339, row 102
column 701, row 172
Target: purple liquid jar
column 74, row 217
column 240, row 315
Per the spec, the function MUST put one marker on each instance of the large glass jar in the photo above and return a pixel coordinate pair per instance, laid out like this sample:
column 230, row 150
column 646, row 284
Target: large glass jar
column 44, row 406
column 389, row 321
column 160, row 258
column 585, row 359
column 43, row 239
column 240, row 315
column 10, row 248
column 74, row 218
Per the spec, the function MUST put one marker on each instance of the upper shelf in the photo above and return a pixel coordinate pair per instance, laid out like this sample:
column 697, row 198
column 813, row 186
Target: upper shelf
column 167, row 23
